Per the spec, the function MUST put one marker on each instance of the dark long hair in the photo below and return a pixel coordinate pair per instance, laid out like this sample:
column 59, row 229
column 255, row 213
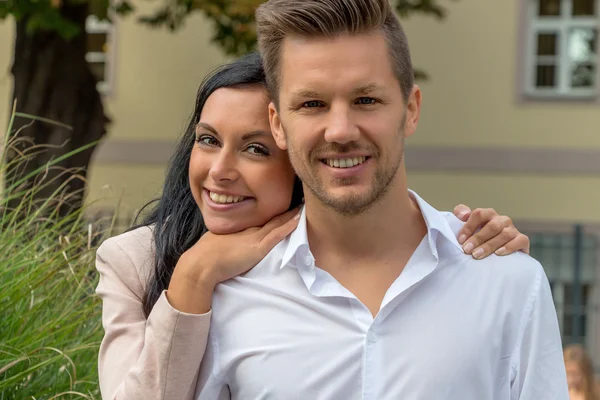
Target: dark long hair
column 177, row 221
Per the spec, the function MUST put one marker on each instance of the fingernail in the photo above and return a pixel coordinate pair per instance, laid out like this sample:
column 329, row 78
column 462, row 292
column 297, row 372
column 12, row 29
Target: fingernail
column 501, row 251
column 298, row 215
column 462, row 214
column 468, row 247
column 478, row 253
column 462, row 238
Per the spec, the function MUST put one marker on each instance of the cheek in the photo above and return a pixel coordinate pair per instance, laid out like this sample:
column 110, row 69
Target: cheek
column 305, row 132
column 198, row 170
column 274, row 193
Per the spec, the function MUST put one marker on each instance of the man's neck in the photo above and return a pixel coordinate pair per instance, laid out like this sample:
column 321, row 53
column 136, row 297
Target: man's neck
column 378, row 232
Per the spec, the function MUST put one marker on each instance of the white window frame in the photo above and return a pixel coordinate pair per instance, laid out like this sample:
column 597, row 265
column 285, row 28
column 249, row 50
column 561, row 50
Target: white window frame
column 561, row 26
column 94, row 25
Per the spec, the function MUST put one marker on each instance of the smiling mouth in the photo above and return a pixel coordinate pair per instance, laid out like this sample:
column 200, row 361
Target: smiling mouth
column 225, row 199
column 344, row 162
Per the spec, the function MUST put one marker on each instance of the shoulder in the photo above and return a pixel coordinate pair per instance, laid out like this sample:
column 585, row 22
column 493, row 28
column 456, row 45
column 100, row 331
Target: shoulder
column 518, row 270
column 132, row 249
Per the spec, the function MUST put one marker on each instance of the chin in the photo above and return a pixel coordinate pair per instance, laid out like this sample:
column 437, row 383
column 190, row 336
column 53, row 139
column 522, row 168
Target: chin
column 225, row 227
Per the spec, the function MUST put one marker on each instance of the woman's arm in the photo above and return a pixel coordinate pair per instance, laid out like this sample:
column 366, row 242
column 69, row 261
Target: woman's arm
column 157, row 358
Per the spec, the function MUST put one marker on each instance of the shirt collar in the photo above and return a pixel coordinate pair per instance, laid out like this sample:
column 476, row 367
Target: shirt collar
column 297, row 240
column 436, row 223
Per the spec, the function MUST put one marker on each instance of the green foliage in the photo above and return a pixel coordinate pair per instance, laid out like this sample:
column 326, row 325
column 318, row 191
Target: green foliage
column 48, row 15
column 51, row 329
column 233, row 20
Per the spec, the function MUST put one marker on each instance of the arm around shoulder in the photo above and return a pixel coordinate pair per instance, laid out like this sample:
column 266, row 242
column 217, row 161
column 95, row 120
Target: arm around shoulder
column 154, row 358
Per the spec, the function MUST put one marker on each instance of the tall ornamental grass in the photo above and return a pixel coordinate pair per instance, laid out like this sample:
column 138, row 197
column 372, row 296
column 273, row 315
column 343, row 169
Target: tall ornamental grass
column 50, row 325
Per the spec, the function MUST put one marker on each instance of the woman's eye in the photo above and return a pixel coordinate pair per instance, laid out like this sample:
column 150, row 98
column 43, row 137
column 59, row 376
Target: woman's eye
column 311, row 104
column 207, row 140
column 257, row 150
column 366, row 100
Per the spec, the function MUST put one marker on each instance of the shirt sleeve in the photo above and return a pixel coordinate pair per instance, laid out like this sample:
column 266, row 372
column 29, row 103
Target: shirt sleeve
column 157, row 358
column 537, row 363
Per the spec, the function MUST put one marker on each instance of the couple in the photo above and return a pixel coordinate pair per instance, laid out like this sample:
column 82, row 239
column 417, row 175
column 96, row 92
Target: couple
column 365, row 291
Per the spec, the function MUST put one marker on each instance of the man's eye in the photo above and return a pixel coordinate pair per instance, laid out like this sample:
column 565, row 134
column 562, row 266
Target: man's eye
column 207, row 140
column 366, row 100
column 311, row 104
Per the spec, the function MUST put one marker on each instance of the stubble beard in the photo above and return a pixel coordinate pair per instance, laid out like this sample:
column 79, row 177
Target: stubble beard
column 351, row 205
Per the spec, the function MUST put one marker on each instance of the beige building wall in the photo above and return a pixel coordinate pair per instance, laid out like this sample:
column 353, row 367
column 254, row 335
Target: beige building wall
column 472, row 101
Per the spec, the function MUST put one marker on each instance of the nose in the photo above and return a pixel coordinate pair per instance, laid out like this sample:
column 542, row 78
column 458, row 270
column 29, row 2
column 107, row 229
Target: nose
column 340, row 126
column 224, row 167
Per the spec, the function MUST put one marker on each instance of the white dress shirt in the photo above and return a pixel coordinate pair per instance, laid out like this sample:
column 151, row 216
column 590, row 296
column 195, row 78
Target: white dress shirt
column 449, row 327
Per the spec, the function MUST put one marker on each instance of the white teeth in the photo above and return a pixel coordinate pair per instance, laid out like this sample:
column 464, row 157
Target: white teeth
column 224, row 199
column 345, row 162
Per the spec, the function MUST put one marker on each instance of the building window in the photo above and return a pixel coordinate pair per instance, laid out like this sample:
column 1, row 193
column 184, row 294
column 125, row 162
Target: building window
column 562, row 48
column 100, row 39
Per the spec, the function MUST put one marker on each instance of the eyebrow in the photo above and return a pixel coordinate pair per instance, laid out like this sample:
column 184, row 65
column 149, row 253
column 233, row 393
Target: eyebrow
column 366, row 89
column 362, row 90
column 306, row 93
column 258, row 133
column 207, row 127
column 247, row 136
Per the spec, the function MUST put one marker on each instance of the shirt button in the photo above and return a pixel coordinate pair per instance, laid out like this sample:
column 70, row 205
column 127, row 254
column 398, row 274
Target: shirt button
column 371, row 337
column 308, row 261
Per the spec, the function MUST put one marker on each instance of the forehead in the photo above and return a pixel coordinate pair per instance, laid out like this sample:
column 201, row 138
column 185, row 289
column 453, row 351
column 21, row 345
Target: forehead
column 340, row 62
column 236, row 106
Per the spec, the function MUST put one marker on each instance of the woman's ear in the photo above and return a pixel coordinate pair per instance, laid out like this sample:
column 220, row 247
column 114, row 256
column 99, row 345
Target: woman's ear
column 277, row 127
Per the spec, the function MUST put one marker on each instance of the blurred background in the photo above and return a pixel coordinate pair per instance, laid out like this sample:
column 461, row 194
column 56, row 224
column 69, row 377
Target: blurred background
column 510, row 117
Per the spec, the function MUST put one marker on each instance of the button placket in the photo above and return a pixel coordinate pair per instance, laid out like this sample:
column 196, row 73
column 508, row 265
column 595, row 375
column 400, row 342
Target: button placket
column 372, row 337
column 309, row 261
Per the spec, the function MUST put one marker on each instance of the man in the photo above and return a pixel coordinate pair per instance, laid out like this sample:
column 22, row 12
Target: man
column 371, row 297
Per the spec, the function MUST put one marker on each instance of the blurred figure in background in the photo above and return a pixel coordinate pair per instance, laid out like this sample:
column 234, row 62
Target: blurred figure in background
column 580, row 374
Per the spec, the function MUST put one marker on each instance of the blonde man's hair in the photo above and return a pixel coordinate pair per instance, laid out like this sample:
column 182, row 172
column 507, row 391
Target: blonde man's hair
column 277, row 19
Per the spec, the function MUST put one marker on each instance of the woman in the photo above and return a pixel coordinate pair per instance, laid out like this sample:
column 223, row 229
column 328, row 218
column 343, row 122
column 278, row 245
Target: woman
column 580, row 374
column 229, row 197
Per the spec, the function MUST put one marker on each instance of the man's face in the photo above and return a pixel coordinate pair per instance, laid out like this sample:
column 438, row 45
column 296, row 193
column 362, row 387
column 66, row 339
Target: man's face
column 342, row 118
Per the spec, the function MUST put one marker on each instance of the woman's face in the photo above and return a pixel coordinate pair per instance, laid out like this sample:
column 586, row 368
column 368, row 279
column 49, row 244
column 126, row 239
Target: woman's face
column 238, row 176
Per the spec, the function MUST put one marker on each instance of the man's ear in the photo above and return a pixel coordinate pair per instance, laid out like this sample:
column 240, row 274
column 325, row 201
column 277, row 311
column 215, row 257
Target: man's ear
column 277, row 127
column 413, row 111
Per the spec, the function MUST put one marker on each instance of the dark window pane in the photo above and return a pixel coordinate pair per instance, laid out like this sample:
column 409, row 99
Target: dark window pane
column 586, row 292
column 545, row 76
column 583, row 75
column 584, row 7
column 568, row 322
column 96, row 42
column 549, row 8
column 546, row 44
column 98, row 69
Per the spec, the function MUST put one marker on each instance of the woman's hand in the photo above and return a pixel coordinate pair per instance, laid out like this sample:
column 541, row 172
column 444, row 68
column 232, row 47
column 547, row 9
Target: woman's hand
column 216, row 258
column 485, row 232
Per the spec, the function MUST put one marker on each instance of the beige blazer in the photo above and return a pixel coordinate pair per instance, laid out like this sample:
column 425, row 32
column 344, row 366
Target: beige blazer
column 145, row 359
